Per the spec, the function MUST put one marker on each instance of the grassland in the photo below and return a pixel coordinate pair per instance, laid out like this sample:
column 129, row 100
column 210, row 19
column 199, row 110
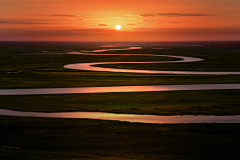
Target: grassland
column 24, row 65
column 46, row 138
column 28, row 67
column 223, row 102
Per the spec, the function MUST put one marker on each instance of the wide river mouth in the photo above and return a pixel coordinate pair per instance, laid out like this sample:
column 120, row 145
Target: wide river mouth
column 126, row 117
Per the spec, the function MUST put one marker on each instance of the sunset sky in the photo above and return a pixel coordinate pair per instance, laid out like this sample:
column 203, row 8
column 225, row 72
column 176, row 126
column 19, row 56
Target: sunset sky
column 141, row 20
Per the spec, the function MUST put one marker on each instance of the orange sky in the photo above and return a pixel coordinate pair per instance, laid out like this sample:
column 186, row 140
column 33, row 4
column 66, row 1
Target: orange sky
column 141, row 20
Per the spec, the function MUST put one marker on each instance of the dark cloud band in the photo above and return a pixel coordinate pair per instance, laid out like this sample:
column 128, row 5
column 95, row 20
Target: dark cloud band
column 172, row 14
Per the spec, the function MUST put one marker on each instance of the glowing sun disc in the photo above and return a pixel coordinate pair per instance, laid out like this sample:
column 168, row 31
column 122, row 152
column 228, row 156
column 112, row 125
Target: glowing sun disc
column 118, row 27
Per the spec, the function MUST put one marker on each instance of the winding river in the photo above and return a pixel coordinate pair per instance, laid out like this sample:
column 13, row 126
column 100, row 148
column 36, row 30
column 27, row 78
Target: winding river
column 91, row 67
column 127, row 117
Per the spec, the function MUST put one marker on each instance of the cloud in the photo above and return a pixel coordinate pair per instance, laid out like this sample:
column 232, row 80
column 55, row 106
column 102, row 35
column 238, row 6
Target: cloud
column 172, row 14
column 100, row 19
column 63, row 15
column 39, row 20
column 132, row 15
column 94, row 31
column 131, row 24
column 23, row 22
column 156, row 20
column 102, row 24
column 68, row 15
column 119, row 17
column 140, row 29
column 131, row 18
column 90, row 30
column 140, row 34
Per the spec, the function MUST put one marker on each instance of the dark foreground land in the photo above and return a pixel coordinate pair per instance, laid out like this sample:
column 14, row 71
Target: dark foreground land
column 24, row 65
column 46, row 138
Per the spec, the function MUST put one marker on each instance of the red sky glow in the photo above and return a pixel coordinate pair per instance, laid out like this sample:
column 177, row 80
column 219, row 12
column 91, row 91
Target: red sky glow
column 141, row 20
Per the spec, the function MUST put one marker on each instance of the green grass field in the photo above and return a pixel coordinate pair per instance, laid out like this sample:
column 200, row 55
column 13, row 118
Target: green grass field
column 221, row 102
column 47, row 138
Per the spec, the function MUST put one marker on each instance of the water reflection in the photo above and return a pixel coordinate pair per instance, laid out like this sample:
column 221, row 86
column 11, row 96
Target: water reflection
column 92, row 67
column 118, row 89
column 128, row 117
column 115, row 49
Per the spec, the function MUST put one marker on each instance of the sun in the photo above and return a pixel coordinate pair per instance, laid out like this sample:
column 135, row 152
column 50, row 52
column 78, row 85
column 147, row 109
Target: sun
column 118, row 27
